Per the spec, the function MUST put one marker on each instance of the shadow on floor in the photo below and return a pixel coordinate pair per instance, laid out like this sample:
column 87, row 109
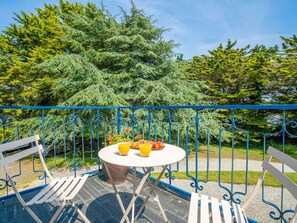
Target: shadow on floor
column 106, row 208
column 99, row 203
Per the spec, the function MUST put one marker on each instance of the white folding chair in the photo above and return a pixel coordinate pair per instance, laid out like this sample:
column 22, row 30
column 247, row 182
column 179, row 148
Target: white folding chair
column 213, row 210
column 61, row 190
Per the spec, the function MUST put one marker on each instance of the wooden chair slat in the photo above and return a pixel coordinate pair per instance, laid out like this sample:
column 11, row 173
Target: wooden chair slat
column 238, row 213
column 215, row 210
column 288, row 184
column 78, row 186
column 70, row 187
column 51, row 192
column 193, row 213
column 42, row 192
column 18, row 143
column 204, row 210
column 22, row 154
column 61, row 190
column 226, row 211
column 284, row 158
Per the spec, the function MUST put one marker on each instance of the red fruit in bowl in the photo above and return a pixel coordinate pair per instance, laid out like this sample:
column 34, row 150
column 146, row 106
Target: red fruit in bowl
column 160, row 144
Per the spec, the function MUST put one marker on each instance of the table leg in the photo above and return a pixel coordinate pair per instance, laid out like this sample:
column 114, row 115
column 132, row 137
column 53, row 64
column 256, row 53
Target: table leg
column 117, row 193
column 136, row 193
column 134, row 181
column 155, row 197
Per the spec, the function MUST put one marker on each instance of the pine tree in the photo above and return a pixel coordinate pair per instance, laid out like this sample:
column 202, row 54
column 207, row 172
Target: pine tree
column 75, row 54
column 233, row 75
column 237, row 76
column 33, row 39
column 282, row 71
column 126, row 62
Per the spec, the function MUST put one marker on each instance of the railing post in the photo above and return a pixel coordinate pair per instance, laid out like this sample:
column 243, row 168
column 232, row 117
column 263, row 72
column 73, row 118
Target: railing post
column 196, row 147
column 233, row 145
column 132, row 124
column 119, row 119
column 149, row 124
column 43, row 142
column 98, row 130
column 74, row 141
column 170, row 126
column 283, row 150
column 3, row 122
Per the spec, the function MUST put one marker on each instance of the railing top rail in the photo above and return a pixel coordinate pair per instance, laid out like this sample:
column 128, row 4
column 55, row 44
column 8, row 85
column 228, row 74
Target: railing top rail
column 276, row 106
column 59, row 107
column 263, row 106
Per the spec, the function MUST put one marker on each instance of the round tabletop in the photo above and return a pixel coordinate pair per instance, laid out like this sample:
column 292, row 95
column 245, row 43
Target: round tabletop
column 170, row 154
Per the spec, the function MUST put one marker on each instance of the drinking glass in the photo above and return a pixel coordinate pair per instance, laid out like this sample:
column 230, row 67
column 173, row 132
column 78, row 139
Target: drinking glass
column 145, row 148
column 124, row 148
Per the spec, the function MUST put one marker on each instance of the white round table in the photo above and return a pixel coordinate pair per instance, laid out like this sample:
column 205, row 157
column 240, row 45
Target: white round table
column 170, row 154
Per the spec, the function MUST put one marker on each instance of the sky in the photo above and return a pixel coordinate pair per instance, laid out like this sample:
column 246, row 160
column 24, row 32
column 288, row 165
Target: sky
column 197, row 25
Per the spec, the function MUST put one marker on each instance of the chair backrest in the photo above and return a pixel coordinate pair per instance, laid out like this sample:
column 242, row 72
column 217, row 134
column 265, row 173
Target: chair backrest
column 21, row 143
column 22, row 148
column 281, row 177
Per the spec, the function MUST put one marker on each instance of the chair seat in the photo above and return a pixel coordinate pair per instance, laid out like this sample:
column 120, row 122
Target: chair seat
column 59, row 189
column 211, row 210
column 62, row 190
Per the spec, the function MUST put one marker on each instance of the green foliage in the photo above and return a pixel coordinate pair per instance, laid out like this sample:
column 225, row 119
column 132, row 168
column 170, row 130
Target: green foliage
column 233, row 75
column 248, row 76
column 34, row 39
column 282, row 72
column 118, row 63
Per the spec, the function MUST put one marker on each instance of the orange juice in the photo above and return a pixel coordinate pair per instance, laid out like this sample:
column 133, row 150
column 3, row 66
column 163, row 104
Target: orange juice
column 145, row 149
column 124, row 148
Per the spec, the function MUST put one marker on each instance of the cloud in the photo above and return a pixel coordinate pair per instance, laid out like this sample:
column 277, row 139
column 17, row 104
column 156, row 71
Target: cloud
column 210, row 13
column 166, row 19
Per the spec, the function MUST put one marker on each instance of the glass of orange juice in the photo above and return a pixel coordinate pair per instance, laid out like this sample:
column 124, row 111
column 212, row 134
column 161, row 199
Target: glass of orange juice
column 124, row 148
column 145, row 148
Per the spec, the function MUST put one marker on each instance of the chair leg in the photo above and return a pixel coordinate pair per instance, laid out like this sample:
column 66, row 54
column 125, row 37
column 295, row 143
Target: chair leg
column 58, row 212
column 81, row 214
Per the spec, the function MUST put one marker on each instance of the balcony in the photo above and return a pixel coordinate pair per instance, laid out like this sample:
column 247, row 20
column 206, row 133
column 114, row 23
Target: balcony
column 98, row 201
column 229, row 148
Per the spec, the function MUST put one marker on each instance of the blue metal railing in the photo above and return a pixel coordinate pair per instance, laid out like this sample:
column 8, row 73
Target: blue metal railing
column 75, row 134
